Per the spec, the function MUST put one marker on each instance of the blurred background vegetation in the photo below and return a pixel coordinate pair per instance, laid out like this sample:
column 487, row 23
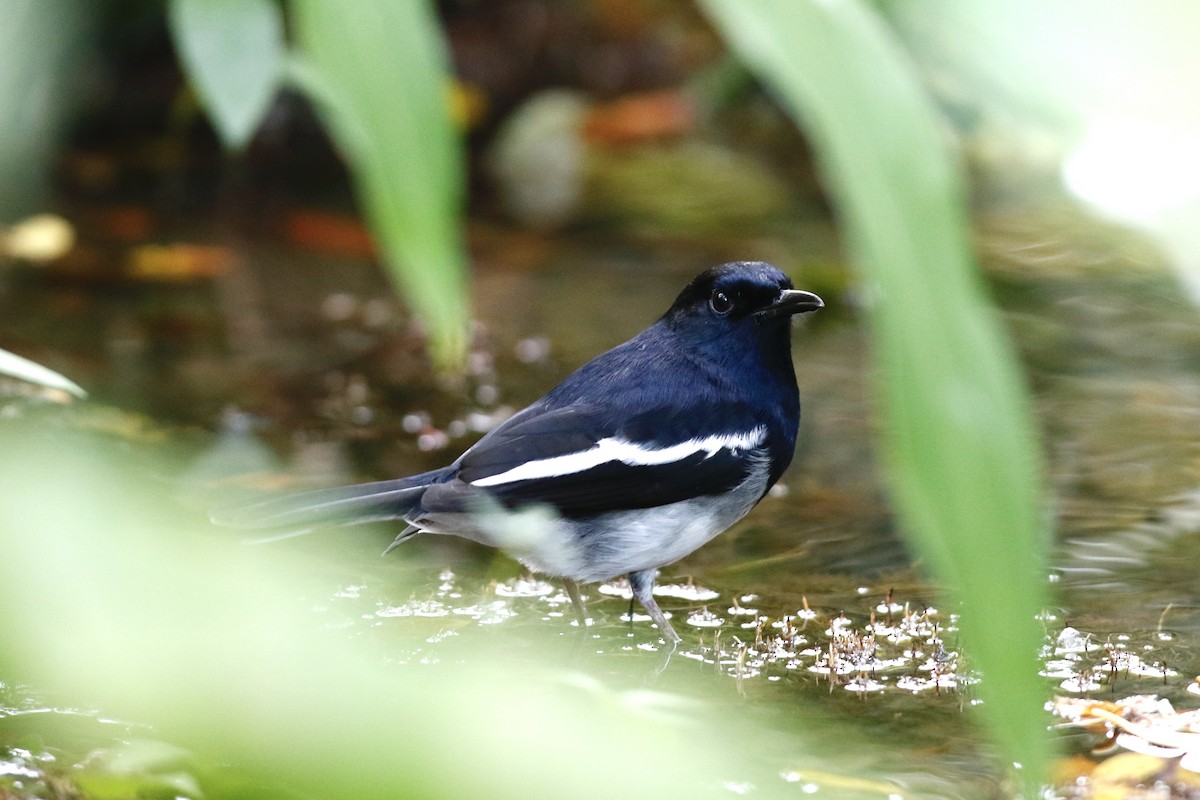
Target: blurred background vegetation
column 198, row 199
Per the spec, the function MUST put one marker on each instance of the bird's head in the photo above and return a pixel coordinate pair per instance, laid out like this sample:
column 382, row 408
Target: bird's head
column 744, row 300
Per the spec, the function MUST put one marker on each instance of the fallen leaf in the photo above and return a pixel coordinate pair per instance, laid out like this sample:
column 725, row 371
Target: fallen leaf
column 179, row 262
column 641, row 117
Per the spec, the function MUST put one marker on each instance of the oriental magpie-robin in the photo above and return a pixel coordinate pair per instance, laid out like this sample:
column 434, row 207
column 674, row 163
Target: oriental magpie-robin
column 635, row 460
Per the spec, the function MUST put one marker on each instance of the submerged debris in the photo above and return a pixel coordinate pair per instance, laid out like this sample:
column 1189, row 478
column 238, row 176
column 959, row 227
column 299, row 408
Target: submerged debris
column 876, row 645
column 1157, row 749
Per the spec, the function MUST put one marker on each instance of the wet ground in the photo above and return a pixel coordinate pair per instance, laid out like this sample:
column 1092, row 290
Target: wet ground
column 285, row 368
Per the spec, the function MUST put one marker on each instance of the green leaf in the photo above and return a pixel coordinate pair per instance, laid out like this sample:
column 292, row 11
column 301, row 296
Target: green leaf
column 958, row 436
column 378, row 71
column 23, row 369
column 216, row 647
column 41, row 47
column 232, row 51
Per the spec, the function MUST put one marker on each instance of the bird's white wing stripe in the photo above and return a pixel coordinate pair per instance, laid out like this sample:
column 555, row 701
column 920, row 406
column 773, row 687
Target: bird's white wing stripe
column 631, row 453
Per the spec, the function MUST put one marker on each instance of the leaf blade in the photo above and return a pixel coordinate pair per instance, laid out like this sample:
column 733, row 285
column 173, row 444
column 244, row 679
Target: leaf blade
column 16, row 366
column 233, row 52
column 959, row 439
column 383, row 75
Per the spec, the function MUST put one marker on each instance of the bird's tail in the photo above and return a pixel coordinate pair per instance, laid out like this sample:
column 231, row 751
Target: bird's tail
column 292, row 515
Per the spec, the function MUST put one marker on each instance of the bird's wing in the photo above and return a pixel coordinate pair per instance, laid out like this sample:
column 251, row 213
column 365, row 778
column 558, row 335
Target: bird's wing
column 582, row 462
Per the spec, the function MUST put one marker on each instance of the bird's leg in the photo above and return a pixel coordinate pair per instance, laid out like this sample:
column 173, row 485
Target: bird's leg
column 642, row 583
column 576, row 600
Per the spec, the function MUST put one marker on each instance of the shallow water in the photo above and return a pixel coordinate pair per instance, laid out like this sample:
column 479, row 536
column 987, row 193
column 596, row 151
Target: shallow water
column 290, row 370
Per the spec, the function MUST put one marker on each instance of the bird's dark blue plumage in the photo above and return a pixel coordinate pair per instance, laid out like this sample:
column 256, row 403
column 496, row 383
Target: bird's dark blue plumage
column 635, row 460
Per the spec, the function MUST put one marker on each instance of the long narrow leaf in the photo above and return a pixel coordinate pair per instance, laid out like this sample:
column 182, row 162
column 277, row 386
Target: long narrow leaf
column 15, row 366
column 958, row 436
column 383, row 85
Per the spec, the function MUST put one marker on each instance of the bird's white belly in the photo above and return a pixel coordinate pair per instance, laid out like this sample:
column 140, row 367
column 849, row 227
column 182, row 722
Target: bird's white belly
column 620, row 542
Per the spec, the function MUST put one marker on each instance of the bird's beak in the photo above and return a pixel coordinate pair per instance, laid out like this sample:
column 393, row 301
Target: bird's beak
column 790, row 301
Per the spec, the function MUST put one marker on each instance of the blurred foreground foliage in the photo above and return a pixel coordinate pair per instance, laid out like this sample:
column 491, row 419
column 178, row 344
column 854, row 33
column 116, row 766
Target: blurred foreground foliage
column 117, row 599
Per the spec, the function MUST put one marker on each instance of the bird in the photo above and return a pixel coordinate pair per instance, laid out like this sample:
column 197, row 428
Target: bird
column 635, row 460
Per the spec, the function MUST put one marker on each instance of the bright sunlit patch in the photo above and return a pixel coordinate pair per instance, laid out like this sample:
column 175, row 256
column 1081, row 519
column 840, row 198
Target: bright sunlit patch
column 1134, row 170
column 685, row 591
column 524, row 587
column 705, row 619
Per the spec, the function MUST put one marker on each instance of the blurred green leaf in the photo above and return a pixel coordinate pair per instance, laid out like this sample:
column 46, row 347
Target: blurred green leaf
column 122, row 601
column 958, row 435
column 15, row 366
column 233, row 53
column 215, row 645
column 41, row 45
column 378, row 71
column 139, row 768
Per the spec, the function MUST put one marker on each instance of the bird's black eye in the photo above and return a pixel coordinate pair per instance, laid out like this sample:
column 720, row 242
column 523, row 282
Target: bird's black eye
column 720, row 303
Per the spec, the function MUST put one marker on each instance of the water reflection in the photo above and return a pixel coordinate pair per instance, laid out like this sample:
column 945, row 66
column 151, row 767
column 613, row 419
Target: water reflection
column 329, row 384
